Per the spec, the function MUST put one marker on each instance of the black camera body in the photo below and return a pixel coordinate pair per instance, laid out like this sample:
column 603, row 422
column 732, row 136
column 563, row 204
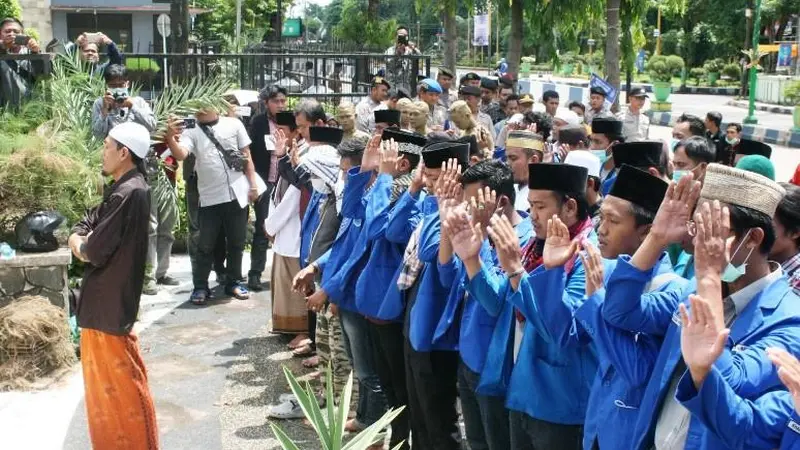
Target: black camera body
column 402, row 39
column 119, row 97
column 21, row 39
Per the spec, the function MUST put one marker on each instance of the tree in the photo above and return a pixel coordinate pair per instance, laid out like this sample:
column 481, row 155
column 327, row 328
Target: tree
column 179, row 25
column 356, row 27
column 10, row 8
column 612, row 44
column 220, row 21
column 515, row 38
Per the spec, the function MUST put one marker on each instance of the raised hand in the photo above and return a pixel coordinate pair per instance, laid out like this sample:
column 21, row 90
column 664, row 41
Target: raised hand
column 371, row 159
column 294, row 153
column 788, row 372
column 280, row 142
column 483, row 207
column 558, row 247
column 702, row 339
column 593, row 264
column 506, row 243
column 669, row 225
column 418, row 182
column 711, row 244
column 389, row 158
column 465, row 239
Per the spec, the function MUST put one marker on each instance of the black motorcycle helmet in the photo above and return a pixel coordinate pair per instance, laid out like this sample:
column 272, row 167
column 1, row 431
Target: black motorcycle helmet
column 35, row 231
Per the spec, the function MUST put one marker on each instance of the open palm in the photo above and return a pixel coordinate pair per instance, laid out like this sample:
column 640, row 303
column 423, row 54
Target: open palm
column 702, row 340
column 676, row 210
column 558, row 247
column 464, row 238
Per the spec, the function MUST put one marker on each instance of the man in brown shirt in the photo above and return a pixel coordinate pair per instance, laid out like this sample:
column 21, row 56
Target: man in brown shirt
column 112, row 241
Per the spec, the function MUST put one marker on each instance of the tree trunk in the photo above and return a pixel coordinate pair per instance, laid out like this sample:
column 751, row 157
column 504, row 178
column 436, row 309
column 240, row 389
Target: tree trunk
column 515, row 38
column 612, row 46
column 372, row 10
column 450, row 39
column 179, row 24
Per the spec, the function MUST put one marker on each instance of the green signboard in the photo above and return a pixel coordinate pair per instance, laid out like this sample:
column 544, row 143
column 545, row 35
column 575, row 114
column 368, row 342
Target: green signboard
column 292, row 28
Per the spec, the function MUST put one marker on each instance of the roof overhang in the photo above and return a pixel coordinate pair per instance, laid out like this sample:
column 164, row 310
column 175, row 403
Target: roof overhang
column 154, row 8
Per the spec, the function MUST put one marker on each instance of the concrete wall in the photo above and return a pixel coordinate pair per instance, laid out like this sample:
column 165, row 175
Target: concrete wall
column 36, row 14
column 141, row 30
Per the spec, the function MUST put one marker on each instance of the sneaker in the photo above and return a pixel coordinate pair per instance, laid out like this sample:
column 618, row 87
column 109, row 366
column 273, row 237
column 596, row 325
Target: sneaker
column 283, row 398
column 150, row 288
column 254, row 283
column 287, row 410
column 167, row 280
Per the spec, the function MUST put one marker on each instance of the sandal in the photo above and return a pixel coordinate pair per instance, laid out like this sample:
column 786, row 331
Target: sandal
column 199, row 297
column 303, row 351
column 238, row 291
column 310, row 363
column 299, row 341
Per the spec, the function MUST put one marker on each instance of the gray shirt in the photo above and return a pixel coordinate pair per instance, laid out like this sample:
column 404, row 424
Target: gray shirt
column 140, row 113
column 635, row 127
column 486, row 121
column 214, row 177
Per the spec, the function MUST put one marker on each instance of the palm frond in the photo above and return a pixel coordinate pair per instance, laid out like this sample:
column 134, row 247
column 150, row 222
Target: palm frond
column 186, row 99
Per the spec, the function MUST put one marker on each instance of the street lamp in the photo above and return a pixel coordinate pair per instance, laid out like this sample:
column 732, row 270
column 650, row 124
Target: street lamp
column 751, row 113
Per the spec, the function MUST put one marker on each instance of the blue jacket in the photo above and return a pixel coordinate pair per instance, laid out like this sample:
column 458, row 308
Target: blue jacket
column 431, row 294
column 309, row 225
column 336, row 264
column 768, row 422
column 476, row 324
column 625, row 363
column 384, row 258
column 608, row 183
column 771, row 319
column 549, row 381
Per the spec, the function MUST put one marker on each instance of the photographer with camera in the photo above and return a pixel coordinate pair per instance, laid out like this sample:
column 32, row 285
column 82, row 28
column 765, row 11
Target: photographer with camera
column 89, row 47
column 117, row 106
column 398, row 70
column 16, row 76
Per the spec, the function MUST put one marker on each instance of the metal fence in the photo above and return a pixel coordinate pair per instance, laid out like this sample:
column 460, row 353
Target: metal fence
column 320, row 75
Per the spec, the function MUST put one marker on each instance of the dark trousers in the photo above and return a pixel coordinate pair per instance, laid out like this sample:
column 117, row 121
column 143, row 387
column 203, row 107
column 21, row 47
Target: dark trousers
column 528, row 433
column 232, row 221
column 485, row 417
column 431, row 384
column 387, row 346
column 258, row 249
column 193, row 211
column 312, row 329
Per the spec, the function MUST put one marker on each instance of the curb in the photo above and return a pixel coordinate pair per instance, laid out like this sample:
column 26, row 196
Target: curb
column 775, row 109
column 786, row 138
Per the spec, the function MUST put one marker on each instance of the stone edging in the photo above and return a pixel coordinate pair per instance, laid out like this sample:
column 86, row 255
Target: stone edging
column 775, row 109
column 775, row 136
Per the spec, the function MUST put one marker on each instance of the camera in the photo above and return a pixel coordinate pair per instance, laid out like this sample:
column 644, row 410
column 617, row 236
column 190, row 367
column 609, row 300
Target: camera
column 402, row 39
column 189, row 122
column 21, row 39
column 119, row 97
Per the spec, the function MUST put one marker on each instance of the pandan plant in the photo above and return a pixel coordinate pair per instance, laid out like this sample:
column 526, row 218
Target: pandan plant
column 329, row 424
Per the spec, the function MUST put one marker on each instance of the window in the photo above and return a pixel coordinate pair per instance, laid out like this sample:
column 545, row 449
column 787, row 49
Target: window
column 116, row 26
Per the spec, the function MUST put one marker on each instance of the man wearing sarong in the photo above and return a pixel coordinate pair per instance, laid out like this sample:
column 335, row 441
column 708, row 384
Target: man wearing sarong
column 111, row 239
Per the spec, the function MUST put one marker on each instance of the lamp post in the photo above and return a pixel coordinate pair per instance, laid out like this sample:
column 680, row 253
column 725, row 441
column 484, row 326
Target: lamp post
column 751, row 114
column 657, row 32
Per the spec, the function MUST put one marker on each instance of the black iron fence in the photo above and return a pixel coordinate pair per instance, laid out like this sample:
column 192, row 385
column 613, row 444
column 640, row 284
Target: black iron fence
column 328, row 75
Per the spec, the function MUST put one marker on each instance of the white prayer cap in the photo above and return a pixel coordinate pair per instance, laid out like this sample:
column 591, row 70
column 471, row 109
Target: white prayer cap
column 583, row 158
column 568, row 116
column 132, row 135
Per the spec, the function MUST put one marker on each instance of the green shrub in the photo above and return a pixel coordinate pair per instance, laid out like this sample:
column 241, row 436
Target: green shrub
column 732, row 71
column 142, row 65
column 714, row 65
column 658, row 70
column 10, row 8
column 698, row 74
column 675, row 64
column 792, row 93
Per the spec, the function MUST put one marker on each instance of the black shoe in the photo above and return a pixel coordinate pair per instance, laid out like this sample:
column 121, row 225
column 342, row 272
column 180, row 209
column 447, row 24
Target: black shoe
column 254, row 283
column 167, row 280
column 222, row 279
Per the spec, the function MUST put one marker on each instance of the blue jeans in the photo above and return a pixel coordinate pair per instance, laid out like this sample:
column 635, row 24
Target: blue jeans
column 485, row 417
column 358, row 346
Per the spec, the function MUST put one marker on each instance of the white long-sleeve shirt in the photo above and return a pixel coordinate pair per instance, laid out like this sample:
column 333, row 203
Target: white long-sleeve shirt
column 283, row 222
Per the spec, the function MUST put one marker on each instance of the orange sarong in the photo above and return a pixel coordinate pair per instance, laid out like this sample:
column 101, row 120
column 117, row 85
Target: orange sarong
column 119, row 406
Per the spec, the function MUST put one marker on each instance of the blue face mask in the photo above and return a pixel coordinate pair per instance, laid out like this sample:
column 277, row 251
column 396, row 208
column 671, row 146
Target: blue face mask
column 673, row 143
column 601, row 155
column 733, row 273
column 678, row 174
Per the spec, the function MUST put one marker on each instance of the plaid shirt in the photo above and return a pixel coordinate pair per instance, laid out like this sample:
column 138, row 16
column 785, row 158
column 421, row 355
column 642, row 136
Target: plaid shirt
column 790, row 268
column 411, row 263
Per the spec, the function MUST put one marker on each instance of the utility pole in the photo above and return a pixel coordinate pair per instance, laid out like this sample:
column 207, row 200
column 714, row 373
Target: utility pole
column 751, row 115
column 658, row 36
column 497, row 33
column 748, row 15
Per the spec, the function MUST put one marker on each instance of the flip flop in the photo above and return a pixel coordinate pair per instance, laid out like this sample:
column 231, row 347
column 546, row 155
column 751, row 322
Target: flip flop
column 238, row 291
column 199, row 297
column 302, row 352
column 299, row 343
column 312, row 362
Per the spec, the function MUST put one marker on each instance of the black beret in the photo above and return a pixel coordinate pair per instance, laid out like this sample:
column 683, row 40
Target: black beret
column 750, row 147
column 390, row 116
column 639, row 187
column 637, row 92
column 641, row 154
column 286, row 119
column 435, row 155
column 469, row 90
column 400, row 93
column 326, row 135
column 489, row 83
column 472, row 76
column 597, row 90
column 446, row 72
column 607, row 125
column 557, row 177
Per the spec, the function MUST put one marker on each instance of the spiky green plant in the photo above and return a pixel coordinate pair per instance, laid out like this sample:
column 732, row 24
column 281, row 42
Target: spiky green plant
column 330, row 426
column 186, row 99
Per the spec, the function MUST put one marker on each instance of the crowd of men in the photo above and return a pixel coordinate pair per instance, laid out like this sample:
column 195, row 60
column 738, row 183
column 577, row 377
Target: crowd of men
column 569, row 282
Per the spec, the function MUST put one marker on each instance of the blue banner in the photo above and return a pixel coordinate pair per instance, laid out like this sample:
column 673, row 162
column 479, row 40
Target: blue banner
column 784, row 55
column 611, row 91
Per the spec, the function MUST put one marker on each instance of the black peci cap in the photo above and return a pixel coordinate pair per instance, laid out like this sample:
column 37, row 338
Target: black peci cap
column 407, row 142
column 637, row 92
column 390, row 116
column 606, row 125
column 641, row 154
column 435, row 155
column 489, row 83
column 286, row 119
column 469, row 90
column 639, row 187
column 557, row 177
column 750, row 147
column 473, row 143
column 326, row 135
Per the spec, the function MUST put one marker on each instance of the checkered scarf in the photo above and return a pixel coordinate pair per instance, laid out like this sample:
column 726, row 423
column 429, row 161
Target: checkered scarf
column 411, row 263
column 400, row 185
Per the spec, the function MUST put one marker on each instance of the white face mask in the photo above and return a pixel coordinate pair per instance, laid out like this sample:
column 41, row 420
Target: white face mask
column 320, row 186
